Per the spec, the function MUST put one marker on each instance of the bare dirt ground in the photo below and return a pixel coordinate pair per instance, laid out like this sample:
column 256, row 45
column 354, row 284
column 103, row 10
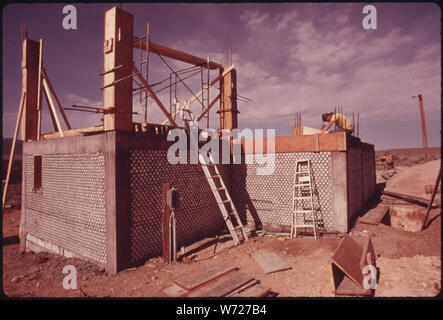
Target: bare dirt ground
column 409, row 262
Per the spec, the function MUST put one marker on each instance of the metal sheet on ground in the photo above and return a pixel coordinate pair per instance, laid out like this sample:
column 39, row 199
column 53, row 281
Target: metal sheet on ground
column 192, row 281
column 270, row 262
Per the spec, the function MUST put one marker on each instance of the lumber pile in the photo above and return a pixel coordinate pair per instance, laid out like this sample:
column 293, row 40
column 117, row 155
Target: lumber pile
column 219, row 280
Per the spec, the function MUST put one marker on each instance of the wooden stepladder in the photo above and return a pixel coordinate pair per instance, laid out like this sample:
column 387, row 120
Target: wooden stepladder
column 303, row 211
column 224, row 201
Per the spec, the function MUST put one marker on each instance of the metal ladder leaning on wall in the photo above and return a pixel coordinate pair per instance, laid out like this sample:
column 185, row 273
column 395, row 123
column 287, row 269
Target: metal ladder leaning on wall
column 227, row 208
column 302, row 198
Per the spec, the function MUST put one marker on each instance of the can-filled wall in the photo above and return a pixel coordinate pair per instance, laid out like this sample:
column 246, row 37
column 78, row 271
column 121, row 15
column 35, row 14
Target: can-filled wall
column 65, row 213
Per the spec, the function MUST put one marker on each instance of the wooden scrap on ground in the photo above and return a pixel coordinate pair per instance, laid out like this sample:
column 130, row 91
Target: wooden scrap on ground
column 197, row 279
column 270, row 262
column 257, row 290
column 374, row 216
column 222, row 286
column 217, row 281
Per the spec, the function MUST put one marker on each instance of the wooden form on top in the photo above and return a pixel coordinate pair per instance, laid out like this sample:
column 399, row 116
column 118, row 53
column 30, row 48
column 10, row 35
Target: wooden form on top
column 175, row 54
column 308, row 143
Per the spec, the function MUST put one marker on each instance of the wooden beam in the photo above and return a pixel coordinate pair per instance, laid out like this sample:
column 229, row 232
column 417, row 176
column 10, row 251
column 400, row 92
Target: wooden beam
column 30, row 62
column 51, row 104
column 410, row 198
column 118, row 56
column 54, row 124
column 208, row 108
column 224, row 73
column 174, row 54
column 14, row 140
column 57, row 101
column 39, row 91
column 228, row 102
column 153, row 95
column 423, row 127
column 432, row 198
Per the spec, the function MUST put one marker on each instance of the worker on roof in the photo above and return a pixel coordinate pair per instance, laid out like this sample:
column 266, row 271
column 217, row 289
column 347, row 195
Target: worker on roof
column 343, row 124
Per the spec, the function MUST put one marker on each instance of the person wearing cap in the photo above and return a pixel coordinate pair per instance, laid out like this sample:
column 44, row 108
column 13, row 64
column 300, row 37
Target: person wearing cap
column 343, row 124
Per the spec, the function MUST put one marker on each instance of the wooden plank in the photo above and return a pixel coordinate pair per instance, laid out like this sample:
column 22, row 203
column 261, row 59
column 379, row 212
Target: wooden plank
column 154, row 96
column 243, row 287
column 118, row 51
column 30, row 63
column 303, row 143
column 347, row 258
column 410, row 198
column 257, row 290
column 174, row 54
column 52, row 107
column 222, row 286
column 14, row 141
column 270, row 262
column 73, row 132
column 57, row 101
column 175, row 291
column 194, row 280
column 39, row 91
column 166, row 214
column 374, row 216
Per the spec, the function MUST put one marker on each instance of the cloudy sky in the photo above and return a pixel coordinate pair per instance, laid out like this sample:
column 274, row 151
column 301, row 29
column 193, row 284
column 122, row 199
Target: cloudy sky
column 290, row 57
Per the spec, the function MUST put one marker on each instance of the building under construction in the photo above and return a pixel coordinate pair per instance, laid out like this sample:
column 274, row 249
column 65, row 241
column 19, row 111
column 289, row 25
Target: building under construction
column 98, row 193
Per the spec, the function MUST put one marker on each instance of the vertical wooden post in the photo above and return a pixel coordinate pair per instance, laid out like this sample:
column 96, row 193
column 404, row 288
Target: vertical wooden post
column 228, row 101
column 423, row 126
column 437, row 182
column 117, row 98
column 166, row 214
column 39, row 91
column 30, row 61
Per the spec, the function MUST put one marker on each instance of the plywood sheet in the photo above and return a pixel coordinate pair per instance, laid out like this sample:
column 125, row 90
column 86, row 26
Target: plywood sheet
column 174, row 291
column 347, row 258
column 197, row 279
column 257, row 290
column 270, row 262
column 222, row 286
column 350, row 288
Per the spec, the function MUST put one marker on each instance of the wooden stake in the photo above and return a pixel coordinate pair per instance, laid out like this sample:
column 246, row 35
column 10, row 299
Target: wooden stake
column 432, row 198
column 14, row 141
column 39, row 91
column 51, row 104
column 423, row 126
column 59, row 105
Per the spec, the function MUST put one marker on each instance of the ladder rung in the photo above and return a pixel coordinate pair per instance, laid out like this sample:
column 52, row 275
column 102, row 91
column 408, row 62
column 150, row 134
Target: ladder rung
column 302, row 185
column 218, row 189
column 304, row 211
column 225, row 201
column 216, row 176
column 307, row 197
column 304, row 226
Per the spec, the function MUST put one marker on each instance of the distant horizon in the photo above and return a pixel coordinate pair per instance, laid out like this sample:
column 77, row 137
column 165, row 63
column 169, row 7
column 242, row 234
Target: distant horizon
column 290, row 57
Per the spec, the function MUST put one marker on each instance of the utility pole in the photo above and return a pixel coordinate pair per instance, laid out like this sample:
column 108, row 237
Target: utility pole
column 423, row 126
